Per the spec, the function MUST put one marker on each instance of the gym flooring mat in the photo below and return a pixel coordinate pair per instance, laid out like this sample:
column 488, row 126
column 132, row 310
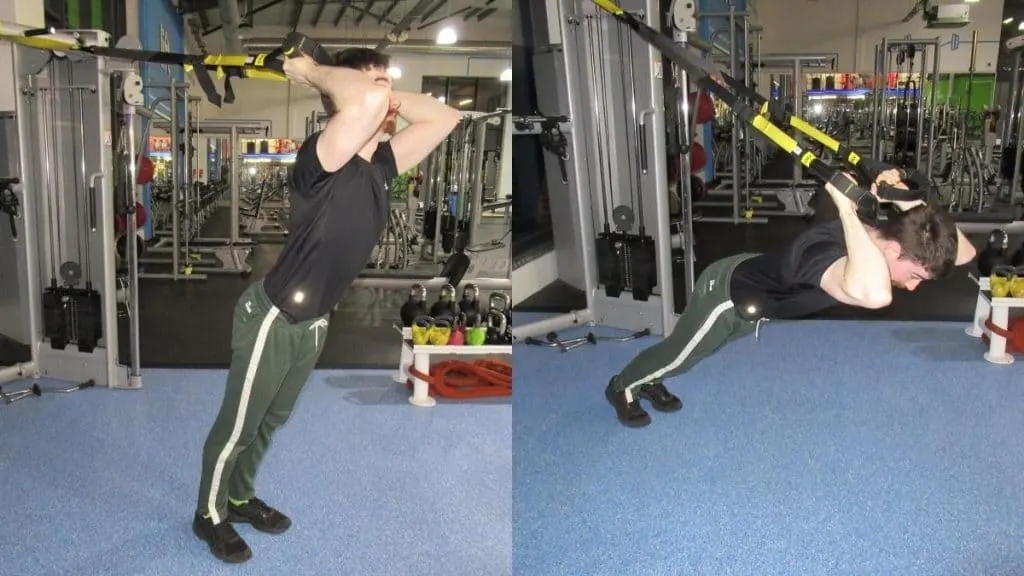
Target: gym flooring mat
column 104, row 483
column 826, row 448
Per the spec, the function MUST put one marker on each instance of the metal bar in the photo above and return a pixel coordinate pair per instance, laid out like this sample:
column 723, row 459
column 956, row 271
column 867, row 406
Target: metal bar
column 296, row 14
column 403, row 282
column 341, row 13
column 1012, row 113
column 319, row 12
column 175, row 185
column 252, row 13
column 439, row 20
column 553, row 324
column 432, row 10
column 931, row 109
column 236, row 159
column 798, row 110
column 131, row 254
column 735, row 142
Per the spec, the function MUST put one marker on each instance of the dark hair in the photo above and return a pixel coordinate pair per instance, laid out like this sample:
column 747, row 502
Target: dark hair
column 926, row 235
column 361, row 59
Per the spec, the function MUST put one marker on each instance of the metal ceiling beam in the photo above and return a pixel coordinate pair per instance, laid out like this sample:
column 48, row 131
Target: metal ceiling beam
column 319, row 12
column 341, row 13
column 231, row 20
column 485, row 13
column 252, row 13
column 438, row 20
column 433, row 10
column 389, row 11
column 405, row 23
column 364, row 12
column 294, row 13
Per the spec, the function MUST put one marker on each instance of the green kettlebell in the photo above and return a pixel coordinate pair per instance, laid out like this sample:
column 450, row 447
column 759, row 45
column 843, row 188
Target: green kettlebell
column 476, row 336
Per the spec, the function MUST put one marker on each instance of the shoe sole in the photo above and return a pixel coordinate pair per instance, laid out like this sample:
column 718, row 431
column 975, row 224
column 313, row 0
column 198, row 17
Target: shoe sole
column 641, row 423
column 237, row 519
column 221, row 557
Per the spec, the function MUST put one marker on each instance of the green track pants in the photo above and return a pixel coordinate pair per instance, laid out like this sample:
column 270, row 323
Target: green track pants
column 272, row 358
column 708, row 323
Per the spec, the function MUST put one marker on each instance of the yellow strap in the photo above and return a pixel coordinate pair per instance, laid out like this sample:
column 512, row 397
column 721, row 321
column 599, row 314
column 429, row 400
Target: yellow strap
column 806, row 158
column 609, row 6
column 40, row 42
column 808, row 129
column 773, row 133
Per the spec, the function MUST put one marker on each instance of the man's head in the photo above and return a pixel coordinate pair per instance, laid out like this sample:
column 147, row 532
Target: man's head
column 919, row 244
column 371, row 62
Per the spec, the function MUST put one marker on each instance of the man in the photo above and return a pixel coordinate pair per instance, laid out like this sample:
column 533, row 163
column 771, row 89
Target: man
column 339, row 208
column 843, row 261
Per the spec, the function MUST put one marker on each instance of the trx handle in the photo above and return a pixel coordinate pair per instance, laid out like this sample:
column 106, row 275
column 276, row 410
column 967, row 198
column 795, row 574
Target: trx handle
column 295, row 45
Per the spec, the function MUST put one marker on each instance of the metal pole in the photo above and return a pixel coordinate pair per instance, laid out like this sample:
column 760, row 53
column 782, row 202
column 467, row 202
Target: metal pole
column 919, row 145
column 236, row 165
column 931, row 108
column 131, row 254
column 175, row 185
column 748, row 151
column 476, row 191
column 1015, row 182
column 798, row 105
column 684, row 178
column 734, row 69
column 187, row 170
column 883, row 86
column 1011, row 115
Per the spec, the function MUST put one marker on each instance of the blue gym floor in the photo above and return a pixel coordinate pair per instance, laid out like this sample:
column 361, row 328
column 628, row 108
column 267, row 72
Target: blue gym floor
column 103, row 482
column 830, row 447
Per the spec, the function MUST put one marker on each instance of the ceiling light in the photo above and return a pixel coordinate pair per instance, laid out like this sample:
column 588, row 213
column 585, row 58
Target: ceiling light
column 447, row 36
column 1021, row 25
column 442, row 99
column 395, row 72
column 506, row 76
column 1007, row 20
column 466, row 102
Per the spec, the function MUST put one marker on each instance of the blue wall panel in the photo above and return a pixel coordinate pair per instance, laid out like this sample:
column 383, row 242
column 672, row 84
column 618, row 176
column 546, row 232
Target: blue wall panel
column 160, row 28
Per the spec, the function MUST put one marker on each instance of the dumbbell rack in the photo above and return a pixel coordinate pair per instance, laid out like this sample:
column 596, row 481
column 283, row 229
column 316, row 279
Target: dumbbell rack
column 998, row 309
column 419, row 357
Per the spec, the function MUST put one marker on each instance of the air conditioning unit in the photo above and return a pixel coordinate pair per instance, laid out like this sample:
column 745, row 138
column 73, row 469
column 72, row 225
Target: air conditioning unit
column 948, row 16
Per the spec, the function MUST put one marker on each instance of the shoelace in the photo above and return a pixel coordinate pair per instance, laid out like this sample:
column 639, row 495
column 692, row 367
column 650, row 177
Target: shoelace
column 316, row 326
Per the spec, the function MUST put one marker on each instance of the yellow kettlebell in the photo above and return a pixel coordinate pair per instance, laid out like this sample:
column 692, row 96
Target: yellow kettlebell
column 1017, row 286
column 1000, row 280
column 421, row 330
column 440, row 332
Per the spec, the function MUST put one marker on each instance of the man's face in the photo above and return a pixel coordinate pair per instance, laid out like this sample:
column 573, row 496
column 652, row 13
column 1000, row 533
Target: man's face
column 903, row 272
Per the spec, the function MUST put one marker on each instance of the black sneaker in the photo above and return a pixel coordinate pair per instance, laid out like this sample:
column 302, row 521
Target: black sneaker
column 224, row 542
column 660, row 398
column 262, row 517
column 631, row 414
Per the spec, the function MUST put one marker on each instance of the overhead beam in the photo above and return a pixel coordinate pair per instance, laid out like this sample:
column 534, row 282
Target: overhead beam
column 268, row 5
column 319, row 12
column 438, row 20
column 389, row 11
column 364, row 12
column 485, row 13
column 294, row 14
column 432, row 10
column 341, row 13
column 405, row 23
column 231, row 21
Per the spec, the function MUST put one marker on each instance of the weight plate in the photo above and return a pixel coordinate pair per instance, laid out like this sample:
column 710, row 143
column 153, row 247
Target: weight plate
column 71, row 273
column 623, row 218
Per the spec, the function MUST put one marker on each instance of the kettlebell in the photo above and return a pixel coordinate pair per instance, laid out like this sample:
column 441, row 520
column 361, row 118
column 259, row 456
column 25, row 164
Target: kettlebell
column 476, row 336
column 439, row 333
column 415, row 306
column 999, row 281
column 994, row 252
column 469, row 305
column 1018, row 258
column 501, row 302
column 1017, row 284
column 496, row 327
column 445, row 302
column 458, row 337
column 421, row 330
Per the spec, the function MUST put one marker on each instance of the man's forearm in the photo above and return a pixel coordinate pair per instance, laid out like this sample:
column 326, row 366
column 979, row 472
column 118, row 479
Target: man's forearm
column 422, row 108
column 866, row 276
column 343, row 85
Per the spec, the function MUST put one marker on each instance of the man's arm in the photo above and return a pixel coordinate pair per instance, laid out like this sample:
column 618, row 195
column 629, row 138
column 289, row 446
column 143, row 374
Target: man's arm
column 361, row 106
column 861, row 278
column 430, row 122
column 965, row 251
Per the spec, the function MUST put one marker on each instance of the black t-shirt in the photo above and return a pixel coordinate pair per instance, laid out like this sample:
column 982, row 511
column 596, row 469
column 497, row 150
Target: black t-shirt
column 787, row 283
column 336, row 220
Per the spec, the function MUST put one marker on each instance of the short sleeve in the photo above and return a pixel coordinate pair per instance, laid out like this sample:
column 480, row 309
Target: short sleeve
column 384, row 158
column 307, row 168
column 808, row 263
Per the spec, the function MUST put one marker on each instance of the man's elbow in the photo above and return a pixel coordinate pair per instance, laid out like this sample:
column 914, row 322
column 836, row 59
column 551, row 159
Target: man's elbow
column 877, row 301
column 873, row 297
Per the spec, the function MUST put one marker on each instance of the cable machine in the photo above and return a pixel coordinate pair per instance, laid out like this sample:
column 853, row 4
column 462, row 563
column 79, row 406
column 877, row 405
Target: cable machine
column 609, row 188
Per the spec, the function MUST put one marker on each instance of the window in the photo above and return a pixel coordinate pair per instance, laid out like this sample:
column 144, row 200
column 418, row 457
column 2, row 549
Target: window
column 467, row 93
